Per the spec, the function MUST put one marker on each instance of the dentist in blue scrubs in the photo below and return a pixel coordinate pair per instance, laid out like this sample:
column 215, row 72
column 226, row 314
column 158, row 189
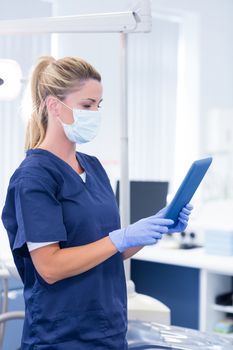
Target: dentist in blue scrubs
column 63, row 222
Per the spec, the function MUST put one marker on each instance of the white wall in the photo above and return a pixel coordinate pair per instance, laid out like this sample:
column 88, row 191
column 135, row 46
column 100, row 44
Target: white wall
column 215, row 84
column 216, row 54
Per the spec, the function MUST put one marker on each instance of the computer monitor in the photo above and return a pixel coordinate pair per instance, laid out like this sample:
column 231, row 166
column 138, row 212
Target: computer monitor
column 146, row 198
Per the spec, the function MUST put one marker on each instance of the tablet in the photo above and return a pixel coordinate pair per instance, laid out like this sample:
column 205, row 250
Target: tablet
column 187, row 188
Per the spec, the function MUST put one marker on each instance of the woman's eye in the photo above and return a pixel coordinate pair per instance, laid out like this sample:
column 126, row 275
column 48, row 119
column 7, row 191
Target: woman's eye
column 87, row 106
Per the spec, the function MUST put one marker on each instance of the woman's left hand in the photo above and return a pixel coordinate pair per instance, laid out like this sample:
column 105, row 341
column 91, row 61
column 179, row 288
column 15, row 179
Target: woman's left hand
column 183, row 218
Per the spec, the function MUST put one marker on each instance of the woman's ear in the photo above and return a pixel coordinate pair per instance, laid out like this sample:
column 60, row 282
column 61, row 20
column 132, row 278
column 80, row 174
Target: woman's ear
column 53, row 105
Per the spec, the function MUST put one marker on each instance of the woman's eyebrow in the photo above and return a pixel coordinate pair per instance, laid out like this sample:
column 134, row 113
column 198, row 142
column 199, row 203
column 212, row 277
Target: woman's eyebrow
column 91, row 99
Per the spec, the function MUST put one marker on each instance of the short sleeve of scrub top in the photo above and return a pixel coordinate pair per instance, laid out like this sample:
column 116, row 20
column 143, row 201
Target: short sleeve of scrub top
column 39, row 214
column 35, row 245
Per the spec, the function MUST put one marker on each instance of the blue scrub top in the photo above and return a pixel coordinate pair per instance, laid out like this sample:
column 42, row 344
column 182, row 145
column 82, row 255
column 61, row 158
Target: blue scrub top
column 48, row 201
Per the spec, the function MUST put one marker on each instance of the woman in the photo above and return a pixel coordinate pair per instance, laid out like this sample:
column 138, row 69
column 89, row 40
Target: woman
column 63, row 222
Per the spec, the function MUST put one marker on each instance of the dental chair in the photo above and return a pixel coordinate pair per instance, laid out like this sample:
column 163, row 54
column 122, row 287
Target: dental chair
column 7, row 270
column 145, row 308
column 150, row 335
column 6, row 315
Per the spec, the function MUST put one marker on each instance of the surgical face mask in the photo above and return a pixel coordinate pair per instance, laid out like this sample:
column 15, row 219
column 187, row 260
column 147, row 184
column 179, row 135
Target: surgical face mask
column 85, row 126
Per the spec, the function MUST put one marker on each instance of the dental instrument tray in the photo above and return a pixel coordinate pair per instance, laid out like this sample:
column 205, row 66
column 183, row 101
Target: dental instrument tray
column 187, row 188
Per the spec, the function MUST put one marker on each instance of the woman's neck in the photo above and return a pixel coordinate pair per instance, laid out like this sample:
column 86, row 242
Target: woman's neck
column 65, row 150
column 56, row 142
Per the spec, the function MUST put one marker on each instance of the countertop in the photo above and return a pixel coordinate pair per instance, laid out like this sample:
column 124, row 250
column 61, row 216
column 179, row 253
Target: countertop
column 195, row 258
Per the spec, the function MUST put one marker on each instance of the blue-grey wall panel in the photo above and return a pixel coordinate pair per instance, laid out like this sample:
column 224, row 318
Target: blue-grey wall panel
column 175, row 286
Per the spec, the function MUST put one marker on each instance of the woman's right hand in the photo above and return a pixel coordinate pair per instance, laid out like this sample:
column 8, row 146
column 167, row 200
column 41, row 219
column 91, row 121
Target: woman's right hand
column 143, row 232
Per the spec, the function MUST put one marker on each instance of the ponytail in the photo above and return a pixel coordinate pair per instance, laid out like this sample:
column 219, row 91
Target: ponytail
column 37, row 124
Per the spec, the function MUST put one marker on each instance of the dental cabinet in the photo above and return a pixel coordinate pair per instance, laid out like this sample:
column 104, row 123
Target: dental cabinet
column 187, row 281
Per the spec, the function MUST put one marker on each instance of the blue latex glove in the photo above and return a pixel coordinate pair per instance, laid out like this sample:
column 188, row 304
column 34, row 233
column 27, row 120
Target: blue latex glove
column 183, row 218
column 143, row 232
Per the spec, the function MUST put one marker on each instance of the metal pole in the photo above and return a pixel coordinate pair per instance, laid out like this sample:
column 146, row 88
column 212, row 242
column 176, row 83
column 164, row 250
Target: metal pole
column 4, row 296
column 12, row 315
column 8, row 316
column 124, row 171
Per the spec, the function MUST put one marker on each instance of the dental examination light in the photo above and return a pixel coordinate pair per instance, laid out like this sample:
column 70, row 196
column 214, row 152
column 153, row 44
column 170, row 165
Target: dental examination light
column 10, row 79
column 135, row 20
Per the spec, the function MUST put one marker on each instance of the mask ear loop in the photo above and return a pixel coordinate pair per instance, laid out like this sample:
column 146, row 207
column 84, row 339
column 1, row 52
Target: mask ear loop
column 64, row 104
column 64, row 124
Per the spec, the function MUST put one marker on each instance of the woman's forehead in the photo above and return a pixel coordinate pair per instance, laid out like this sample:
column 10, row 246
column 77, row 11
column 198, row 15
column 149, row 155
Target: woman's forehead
column 91, row 89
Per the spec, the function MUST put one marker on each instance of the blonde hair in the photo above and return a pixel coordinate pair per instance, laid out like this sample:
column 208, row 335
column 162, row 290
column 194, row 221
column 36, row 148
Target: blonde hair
column 57, row 78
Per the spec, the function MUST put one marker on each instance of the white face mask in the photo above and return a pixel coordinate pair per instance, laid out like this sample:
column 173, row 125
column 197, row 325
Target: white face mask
column 85, row 126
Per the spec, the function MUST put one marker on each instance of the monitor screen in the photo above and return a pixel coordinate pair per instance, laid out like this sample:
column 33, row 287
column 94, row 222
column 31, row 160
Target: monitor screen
column 146, row 198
